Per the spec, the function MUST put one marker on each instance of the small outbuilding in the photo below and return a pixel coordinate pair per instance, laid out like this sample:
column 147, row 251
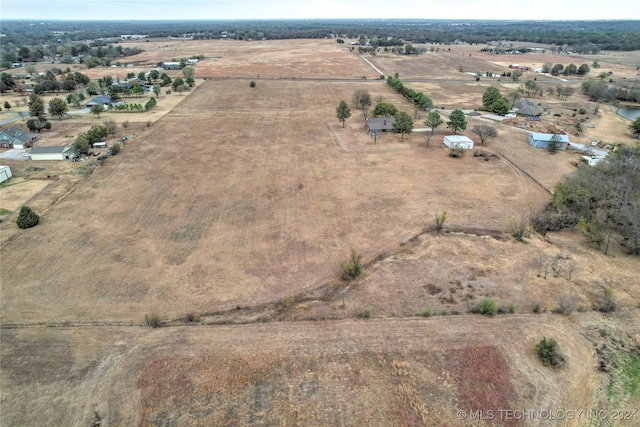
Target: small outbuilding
column 458, row 141
column 172, row 65
column 542, row 140
column 5, row 173
column 53, row 153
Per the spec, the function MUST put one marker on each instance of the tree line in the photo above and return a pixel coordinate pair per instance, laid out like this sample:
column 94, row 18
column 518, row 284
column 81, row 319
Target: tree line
column 61, row 37
column 602, row 201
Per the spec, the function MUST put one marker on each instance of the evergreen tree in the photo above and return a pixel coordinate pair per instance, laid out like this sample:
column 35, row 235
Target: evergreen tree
column 27, row 218
column 343, row 112
column 457, row 121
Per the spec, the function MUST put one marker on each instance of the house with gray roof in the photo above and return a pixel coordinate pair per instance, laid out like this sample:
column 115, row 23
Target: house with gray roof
column 99, row 100
column 526, row 108
column 379, row 124
column 14, row 137
column 53, row 153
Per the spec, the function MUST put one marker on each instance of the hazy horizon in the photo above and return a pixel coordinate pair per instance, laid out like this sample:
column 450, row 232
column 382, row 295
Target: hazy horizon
column 222, row 10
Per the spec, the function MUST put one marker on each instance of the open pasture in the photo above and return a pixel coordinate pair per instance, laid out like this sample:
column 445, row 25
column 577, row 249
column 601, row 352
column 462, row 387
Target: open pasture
column 241, row 195
column 238, row 199
column 269, row 59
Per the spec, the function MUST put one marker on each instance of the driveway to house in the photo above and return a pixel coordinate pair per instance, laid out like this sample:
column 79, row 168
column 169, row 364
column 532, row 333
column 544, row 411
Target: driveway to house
column 14, row 154
column 81, row 111
column 14, row 118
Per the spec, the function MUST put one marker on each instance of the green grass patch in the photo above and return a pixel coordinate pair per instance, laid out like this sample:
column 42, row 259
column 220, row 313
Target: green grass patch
column 632, row 377
column 625, row 379
column 4, row 211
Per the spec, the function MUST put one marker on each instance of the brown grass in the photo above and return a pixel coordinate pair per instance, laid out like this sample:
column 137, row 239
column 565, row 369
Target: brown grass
column 237, row 197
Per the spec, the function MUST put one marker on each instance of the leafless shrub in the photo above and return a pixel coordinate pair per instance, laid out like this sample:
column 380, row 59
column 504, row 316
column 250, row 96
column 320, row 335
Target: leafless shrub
column 566, row 304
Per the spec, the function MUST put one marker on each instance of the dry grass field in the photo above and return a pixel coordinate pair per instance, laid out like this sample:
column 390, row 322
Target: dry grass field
column 228, row 218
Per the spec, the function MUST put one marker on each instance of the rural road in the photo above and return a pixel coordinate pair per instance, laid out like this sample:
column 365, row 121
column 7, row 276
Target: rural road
column 373, row 66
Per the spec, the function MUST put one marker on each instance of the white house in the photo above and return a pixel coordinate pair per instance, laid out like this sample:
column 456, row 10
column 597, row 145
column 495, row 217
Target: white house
column 53, row 153
column 5, row 173
column 461, row 141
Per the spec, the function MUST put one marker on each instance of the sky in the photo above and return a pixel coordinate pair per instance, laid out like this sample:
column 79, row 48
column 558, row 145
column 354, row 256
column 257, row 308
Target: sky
column 317, row 9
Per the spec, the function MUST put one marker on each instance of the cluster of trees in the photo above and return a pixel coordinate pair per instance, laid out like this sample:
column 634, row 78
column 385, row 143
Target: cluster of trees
column 493, row 101
column 558, row 69
column 635, row 128
column 604, row 201
column 600, row 91
column 36, row 111
column 96, row 53
column 421, row 100
column 134, row 108
column 7, row 82
column 22, row 43
column 84, row 140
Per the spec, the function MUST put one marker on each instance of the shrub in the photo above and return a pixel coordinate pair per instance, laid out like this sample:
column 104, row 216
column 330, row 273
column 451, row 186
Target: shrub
column 440, row 219
column 487, row 306
column 512, row 308
column 608, row 302
column 152, row 320
column 582, row 111
column 566, row 304
column 547, row 351
column 288, row 301
column 366, row 313
column 115, row 148
column 352, row 268
column 27, row 218
column 456, row 152
column 190, row 317
column 537, row 309
column 252, row 84
column 427, row 312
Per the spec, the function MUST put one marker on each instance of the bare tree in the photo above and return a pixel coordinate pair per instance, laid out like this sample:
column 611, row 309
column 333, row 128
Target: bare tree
column 484, row 132
column 362, row 98
column 427, row 137
column 516, row 74
column 513, row 97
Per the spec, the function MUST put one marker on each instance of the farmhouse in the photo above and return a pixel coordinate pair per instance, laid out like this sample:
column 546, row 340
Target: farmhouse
column 542, row 140
column 460, row 141
column 99, row 100
column 53, row 153
column 379, row 124
column 527, row 109
column 5, row 173
column 14, row 137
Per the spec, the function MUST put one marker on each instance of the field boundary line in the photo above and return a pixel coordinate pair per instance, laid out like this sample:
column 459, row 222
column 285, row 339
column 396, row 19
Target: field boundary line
column 524, row 172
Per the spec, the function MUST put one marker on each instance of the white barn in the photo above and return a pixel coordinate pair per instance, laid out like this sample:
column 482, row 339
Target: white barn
column 53, row 153
column 461, row 141
column 5, row 173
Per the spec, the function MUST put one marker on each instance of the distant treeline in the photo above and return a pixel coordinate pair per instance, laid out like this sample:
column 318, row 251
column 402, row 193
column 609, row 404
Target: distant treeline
column 606, row 35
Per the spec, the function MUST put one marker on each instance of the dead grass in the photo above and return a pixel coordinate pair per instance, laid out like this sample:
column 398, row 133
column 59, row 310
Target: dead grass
column 240, row 197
